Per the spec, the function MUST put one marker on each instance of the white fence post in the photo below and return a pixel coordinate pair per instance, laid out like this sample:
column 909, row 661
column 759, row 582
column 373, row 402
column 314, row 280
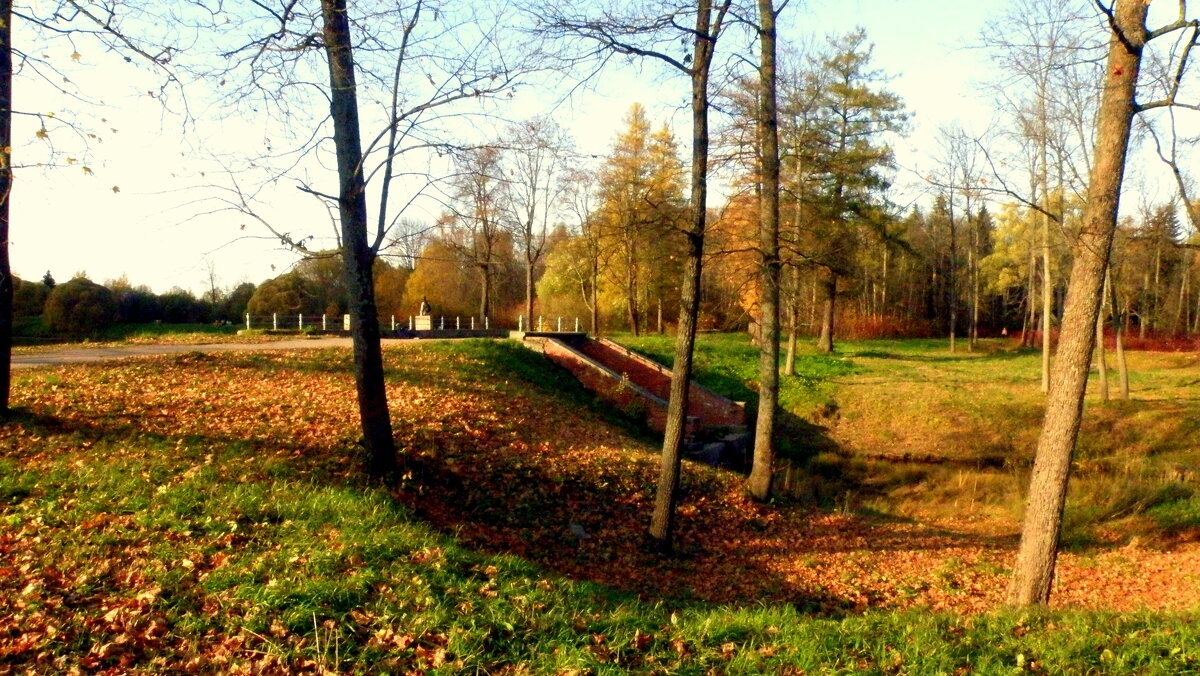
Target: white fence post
column 274, row 322
column 458, row 323
column 442, row 324
column 520, row 322
column 486, row 323
column 472, row 322
column 324, row 326
column 345, row 322
column 577, row 325
column 410, row 323
column 393, row 322
column 300, row 321
column 560, row 324
column 247, row 321
column 539, row 324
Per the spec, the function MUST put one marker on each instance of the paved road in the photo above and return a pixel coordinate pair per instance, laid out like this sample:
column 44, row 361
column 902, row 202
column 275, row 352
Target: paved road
column 77, row 355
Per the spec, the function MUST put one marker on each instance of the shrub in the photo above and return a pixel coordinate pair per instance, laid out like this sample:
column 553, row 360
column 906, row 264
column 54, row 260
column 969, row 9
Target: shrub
column 289, row 293
column 181, row 307
column 79, row 307
column 29, row 298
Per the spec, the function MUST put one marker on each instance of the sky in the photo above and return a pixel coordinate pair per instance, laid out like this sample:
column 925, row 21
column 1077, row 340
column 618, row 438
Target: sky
column 139, row 210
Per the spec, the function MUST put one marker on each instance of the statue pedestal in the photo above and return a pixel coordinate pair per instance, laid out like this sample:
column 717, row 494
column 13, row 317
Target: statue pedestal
column 423, row 323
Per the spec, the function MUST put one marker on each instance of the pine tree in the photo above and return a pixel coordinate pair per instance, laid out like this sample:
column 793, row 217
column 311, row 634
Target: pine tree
column 640, row 208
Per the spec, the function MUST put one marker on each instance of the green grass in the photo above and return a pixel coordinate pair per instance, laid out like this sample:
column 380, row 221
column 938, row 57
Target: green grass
column 728, row 365
column 201, row 564
column 968, row 422
column 35, row 330
column 142, row 550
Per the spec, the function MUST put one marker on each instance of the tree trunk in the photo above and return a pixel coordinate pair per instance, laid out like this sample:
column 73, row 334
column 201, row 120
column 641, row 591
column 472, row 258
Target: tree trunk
column 973, row 280
column 768, row 242
column 1196, row 316
column 529, row 288
column 1033, row 573
column 829, row 288
column 789, row 362
column 952, row 278
column 662, row 522
column 1047, row 286
column 631, row 290
column 1119, row 342
column 1101, row 358
column 595, row 294
column 1031, row 309
column 6, row 180
column 485, row 293
column 1181, row 306
column 357, row 254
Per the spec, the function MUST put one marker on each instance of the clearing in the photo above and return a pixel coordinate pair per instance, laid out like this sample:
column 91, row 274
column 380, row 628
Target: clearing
column 204, row 512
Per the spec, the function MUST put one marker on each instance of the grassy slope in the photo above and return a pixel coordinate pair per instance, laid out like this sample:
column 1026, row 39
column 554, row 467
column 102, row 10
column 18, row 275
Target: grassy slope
column 964, row 425
column 204, row 513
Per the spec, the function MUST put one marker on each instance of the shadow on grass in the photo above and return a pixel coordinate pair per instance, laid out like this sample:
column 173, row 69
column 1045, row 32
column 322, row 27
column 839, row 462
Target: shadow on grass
column 994, row 355
column 572, row 505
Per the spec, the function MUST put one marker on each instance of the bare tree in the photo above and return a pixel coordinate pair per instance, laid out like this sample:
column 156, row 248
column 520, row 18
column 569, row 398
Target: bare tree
column 961, row 165
column 651, row 33
column 476, row 227
column 580, row 193
column 1049, row 46
column 1034, row 569
column 535, row 158
column 417, row 64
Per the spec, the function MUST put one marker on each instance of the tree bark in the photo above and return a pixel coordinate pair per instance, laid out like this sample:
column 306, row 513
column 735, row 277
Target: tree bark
column 1101, row 358
column 631, row 289
column 1033, row 573
column 1047, row 287
column 1030, row 316
column 828, row 285
column 529, row 287
column 952, row 278
column 768, row 362
column 485, row 290
column 357, row 254
column 6, row 180
column 595, row 294
column 789, row 362
column 662, row 523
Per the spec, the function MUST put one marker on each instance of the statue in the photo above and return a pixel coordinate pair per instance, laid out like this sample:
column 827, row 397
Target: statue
column 425, row 309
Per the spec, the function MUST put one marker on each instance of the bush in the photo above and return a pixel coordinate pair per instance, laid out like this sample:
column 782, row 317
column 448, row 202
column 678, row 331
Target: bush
column 137, row 306
column 80, row 307
column 29, row 298
column 287, row 294
column 181, row 307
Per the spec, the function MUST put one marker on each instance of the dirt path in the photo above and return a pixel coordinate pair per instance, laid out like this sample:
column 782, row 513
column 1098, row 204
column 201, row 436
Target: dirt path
column 77, row 355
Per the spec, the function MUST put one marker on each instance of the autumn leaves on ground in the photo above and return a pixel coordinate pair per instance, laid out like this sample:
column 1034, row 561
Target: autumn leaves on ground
column 206, row 514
